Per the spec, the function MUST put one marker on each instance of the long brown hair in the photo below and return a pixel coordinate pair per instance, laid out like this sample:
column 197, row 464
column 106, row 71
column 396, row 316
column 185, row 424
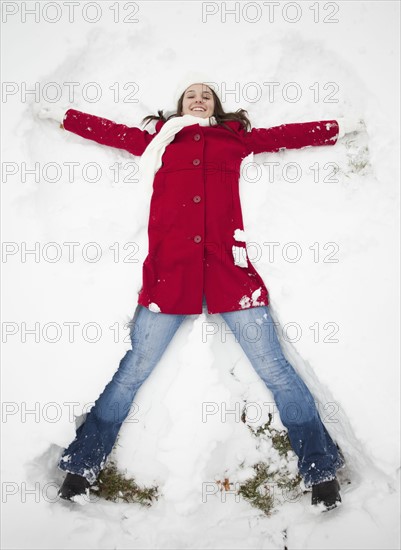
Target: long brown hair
column 240, row 114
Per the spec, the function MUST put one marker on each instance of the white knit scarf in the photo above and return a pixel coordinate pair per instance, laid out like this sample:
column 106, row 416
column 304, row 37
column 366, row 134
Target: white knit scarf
column 150, row 162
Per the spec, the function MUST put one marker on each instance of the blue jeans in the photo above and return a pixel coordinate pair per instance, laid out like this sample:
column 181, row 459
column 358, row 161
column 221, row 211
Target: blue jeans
column 318, row 456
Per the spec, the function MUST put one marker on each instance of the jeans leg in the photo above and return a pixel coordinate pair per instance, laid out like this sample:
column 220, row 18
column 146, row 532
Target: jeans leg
column 318, row 456
column 150, row 334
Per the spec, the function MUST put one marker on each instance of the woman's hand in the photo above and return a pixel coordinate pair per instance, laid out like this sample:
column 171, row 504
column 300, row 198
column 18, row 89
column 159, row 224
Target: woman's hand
column 348, row 125
column 54, row 111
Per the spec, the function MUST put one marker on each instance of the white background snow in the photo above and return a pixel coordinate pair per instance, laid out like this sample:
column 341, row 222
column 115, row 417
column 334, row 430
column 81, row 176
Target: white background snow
column 170, row 445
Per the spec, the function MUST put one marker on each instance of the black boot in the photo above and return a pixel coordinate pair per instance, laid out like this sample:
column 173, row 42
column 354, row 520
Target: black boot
column 326, row 492
column 73, row 485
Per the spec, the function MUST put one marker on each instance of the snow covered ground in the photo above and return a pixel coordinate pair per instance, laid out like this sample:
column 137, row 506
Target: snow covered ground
column 344, row 68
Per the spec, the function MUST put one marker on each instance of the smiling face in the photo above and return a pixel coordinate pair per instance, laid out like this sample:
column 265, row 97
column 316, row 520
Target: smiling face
column 198, row 101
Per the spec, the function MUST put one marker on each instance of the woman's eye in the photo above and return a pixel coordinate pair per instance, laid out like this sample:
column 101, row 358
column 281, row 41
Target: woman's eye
column 191, row 97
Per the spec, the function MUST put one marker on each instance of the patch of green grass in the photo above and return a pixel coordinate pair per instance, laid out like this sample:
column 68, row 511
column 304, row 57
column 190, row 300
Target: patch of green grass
column 112, row 485
column 257, row 491
column 271, row 486
column 279, row 439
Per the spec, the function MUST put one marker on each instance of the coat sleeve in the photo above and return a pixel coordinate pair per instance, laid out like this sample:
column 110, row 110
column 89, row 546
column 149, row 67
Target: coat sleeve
column 106, row 132
column 291, row 136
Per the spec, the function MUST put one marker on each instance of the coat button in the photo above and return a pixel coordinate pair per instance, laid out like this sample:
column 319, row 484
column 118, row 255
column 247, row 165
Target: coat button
column 197, row 137
column 197, row 238
column 195, row 162
column 196, row 198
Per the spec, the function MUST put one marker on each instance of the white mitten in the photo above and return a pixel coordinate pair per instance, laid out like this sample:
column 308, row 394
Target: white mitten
column 350, row 124
column 53, row 111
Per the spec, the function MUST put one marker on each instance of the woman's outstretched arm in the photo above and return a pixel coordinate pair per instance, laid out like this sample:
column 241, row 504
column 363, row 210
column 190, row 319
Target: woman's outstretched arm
column 301, row 134
column 292, row 136
column 102, row 130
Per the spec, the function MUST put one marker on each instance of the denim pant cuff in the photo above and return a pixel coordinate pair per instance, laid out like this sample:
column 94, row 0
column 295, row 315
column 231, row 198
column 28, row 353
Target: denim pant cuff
column 314, row 475
column 90, row 474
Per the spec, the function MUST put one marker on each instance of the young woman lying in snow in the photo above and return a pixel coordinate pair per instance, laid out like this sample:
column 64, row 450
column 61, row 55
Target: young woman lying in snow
column 197, row 258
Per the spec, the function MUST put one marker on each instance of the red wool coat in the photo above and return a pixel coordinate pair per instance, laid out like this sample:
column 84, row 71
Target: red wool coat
column 195, row 209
